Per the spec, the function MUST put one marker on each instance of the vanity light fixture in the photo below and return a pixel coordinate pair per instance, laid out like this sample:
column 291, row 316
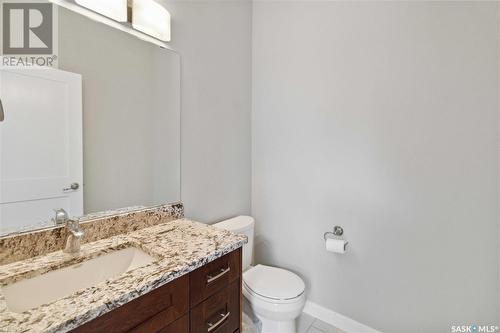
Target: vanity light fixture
column 144, row 19
column 151, row 18
column 114, row 9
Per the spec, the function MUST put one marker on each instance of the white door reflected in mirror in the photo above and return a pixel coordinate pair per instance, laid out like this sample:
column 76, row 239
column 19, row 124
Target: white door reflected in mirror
column 40, row 146
column 102, row 140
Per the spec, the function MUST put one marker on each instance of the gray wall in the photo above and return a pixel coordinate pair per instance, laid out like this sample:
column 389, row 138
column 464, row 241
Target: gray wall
column 131, row 114
column 214, row 41
column 383, row 118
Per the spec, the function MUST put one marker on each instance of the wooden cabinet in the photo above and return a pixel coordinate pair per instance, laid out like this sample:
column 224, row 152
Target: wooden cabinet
column 181, row 325
column 218, row 313
column 160, row 307
column 208, row 279
column 206, row 300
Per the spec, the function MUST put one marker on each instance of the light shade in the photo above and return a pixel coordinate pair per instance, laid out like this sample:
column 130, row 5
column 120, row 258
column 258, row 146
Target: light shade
column 114, row 9
column 151, row 18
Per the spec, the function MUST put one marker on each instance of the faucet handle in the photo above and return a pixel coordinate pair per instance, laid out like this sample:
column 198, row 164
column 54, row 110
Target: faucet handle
column 75, row 236
column 61, row 216
column 78, row 233
column 74, row 227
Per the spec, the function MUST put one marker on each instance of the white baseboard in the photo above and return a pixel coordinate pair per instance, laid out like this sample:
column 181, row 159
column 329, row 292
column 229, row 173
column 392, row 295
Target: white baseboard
column 336, row 319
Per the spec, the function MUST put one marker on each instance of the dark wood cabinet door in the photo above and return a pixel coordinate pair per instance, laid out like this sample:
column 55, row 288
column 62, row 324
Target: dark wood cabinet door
column 162, row 305
column 179, row 326
column 214, row 276
column 220, row 313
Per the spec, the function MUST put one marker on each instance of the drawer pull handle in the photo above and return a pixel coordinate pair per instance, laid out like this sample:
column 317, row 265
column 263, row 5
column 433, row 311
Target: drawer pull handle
column 223, row 271
column 213, row 326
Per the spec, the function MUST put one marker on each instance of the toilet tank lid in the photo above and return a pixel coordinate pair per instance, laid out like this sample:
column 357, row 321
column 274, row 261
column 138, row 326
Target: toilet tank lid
column 237, row 224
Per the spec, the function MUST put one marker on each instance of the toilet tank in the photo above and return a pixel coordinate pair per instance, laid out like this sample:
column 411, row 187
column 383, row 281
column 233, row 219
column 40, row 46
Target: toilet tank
column 241, row 225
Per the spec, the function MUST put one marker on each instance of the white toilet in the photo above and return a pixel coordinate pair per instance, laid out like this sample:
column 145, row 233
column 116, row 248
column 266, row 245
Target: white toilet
column 276, row 295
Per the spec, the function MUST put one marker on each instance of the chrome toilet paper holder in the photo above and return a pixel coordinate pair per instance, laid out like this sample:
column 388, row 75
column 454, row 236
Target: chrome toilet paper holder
column 337, row 231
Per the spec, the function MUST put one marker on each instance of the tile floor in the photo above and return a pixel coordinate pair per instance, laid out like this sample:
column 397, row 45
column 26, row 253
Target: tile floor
column 309, row 324
column 305, row 323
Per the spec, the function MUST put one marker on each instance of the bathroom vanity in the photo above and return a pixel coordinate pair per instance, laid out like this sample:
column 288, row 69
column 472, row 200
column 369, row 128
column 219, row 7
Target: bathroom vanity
column 143, row 271
column 205, row 300
column 104, row 253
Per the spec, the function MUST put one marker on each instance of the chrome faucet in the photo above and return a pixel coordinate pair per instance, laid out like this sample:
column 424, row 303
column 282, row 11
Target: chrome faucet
column 75, row 232
column 75, row 235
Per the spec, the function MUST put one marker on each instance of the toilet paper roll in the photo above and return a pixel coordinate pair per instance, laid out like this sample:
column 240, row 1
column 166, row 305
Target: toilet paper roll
column 336, row 245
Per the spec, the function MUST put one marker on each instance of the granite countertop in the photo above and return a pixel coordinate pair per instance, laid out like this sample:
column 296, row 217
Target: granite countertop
column 180, row 246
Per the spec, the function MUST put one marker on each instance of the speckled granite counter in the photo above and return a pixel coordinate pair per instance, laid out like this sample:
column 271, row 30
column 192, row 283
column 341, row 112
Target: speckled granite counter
column 180, row 246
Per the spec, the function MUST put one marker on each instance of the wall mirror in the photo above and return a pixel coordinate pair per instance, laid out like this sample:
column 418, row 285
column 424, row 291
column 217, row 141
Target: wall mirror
column 99, row 133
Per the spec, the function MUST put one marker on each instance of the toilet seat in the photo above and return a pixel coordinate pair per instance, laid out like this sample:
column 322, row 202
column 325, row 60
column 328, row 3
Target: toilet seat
column 254, row 297
column 273, row 285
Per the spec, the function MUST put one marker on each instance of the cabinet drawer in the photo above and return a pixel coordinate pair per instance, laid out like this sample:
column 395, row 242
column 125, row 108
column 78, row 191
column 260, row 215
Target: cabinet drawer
column 181, row 325
column 218, row 314
column 162, row 305
column 160, row 324
column 214, row 276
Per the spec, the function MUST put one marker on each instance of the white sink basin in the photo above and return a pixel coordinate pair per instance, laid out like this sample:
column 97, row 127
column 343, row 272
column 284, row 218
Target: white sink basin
column 31, row 293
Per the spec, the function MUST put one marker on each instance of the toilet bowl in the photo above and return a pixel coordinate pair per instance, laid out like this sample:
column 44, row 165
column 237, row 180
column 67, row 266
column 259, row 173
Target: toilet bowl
column 276, row 296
